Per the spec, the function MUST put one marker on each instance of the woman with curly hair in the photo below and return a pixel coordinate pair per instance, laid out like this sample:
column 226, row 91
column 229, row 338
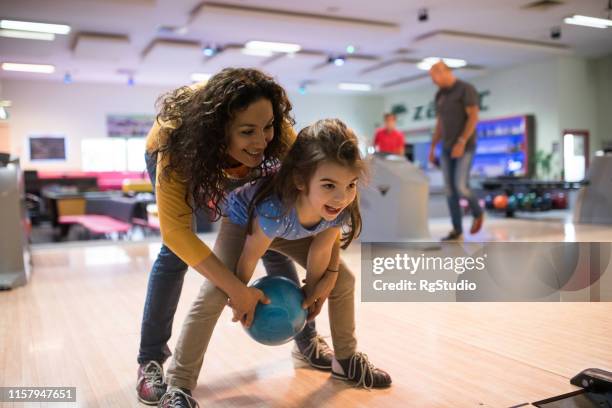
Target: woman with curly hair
column 207, row 140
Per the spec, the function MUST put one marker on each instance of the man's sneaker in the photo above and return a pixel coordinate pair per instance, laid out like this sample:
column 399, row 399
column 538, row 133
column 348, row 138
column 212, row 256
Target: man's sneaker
column 477, row 224
column 315, row 352
column 453, row 236
column 178, row 398
column 358, row 370
column 150, row 385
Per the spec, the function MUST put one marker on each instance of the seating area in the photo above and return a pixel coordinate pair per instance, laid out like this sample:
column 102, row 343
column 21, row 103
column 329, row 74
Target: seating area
column 89, row 205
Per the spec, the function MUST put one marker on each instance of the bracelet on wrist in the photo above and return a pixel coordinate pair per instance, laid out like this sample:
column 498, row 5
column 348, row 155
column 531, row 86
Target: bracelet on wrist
column 332, row 270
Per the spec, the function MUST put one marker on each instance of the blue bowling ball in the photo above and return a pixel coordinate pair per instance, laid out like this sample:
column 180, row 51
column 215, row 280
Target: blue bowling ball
column 512, row 203
column 283, row 318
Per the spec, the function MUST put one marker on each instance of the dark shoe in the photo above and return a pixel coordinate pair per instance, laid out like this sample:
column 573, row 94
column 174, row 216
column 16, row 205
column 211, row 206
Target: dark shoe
column 150, row 385
column 477, row 224
column 358, row 370
column 315, row 352
column 178, row 398
column 453, row 236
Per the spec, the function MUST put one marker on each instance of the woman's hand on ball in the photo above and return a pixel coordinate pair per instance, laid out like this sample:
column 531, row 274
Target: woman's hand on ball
column 244, row 306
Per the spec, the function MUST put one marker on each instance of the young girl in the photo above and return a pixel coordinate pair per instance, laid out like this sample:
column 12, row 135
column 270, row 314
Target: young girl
column 305, row 211
column 208, row 139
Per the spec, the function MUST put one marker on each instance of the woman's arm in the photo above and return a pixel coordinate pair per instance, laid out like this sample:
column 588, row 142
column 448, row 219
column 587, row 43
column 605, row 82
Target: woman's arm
column 175, row 217
column 242, row 299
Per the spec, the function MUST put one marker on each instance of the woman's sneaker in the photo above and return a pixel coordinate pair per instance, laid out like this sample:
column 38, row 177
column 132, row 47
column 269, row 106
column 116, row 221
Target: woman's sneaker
column 358, row 370
column 150, row 385
column 178, row 398
column 315, row 352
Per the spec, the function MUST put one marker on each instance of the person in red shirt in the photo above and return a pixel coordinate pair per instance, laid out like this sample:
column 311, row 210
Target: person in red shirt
column 388, row 139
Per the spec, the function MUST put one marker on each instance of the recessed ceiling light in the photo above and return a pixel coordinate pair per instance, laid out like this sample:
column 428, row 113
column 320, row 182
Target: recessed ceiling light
column 353, row 86
column 586, row 21
column 272, row 46
column 428, row 62
column 27, row 35
column 257, row 53
column 36, row 68
column 200, row 77
column 37, row 27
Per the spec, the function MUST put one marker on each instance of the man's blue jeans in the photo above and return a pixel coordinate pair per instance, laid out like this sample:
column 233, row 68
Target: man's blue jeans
column 456, row 174
column 164, row 291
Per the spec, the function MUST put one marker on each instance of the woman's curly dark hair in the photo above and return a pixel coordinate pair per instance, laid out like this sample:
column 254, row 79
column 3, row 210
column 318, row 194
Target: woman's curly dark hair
column 196, row 120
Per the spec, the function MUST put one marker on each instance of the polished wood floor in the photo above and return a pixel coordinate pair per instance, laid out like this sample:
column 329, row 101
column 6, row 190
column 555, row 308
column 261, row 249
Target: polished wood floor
column 77, row 324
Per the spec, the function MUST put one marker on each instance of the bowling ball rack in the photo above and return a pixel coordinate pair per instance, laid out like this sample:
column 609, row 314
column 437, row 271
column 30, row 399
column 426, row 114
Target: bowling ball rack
column 539, row 193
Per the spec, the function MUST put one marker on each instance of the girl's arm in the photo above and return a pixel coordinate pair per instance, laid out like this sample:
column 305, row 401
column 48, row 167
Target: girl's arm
column 322, row 270
column 255, row 247
column 323, row 254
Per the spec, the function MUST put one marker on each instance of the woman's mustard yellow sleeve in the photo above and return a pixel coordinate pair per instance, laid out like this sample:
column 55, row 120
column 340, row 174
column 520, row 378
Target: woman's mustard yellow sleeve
column 175, row 217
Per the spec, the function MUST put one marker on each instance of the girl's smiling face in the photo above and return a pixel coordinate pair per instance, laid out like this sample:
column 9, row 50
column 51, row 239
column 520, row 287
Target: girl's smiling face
column 331, row 189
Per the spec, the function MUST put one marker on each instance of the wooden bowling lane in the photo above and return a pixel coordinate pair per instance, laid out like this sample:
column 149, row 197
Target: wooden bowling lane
column 498, row 228
column 77, row 323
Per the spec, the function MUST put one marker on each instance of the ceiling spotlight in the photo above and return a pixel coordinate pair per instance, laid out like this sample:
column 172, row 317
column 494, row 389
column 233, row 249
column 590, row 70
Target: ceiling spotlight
column 338, row 61
column 303, row 86
column 209, row 51
column 130, row 81
column 67, row 78
column 350, row 49
column 423, row 15
column 555, row 33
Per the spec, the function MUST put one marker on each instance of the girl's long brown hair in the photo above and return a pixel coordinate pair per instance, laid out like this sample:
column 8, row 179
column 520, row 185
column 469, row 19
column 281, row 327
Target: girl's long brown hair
column 196, row 122
column 327, row 140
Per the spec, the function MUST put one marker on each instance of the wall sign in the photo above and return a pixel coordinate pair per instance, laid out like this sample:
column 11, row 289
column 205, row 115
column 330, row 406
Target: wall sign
column 428, row 111
column 129, row 125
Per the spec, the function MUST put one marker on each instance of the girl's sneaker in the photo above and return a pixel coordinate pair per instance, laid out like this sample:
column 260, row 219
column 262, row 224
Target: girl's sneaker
column 358, row 370
column 315, row 352
column 178, row 398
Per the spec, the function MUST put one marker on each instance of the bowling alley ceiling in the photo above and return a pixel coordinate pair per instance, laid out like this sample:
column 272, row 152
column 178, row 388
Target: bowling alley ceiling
column 163, row 42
